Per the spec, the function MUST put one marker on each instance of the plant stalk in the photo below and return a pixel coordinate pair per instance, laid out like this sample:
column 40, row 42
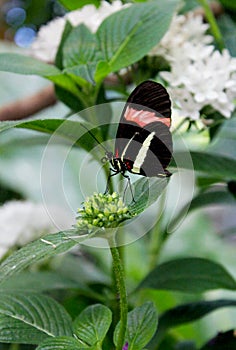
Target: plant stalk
column 121, row 291
column 157, row 236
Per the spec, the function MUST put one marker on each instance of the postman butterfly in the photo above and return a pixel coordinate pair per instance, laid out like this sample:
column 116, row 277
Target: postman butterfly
column 143, row 143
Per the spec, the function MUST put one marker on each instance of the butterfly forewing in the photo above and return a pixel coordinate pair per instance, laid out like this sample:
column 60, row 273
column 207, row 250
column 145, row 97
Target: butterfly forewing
column 150, row 97
column 143, row 140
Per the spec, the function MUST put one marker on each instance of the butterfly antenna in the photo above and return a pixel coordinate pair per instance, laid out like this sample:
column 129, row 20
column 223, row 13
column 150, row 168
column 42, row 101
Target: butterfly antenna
column 94, row 137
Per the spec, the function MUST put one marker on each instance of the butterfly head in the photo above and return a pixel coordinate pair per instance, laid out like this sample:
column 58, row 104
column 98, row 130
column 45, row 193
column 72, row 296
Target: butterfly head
column 109, row 156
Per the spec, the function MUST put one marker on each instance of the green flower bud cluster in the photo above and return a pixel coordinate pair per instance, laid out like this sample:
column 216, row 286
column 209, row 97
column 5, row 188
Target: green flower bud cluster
column 102, row 210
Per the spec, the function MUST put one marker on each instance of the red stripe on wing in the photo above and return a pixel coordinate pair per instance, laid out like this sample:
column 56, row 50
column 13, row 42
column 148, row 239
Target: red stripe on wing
column 144, row 117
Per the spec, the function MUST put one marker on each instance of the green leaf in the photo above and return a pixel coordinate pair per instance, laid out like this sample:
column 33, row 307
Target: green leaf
column 214, row 165
column 69, row 99
column 187, row 313
column 225, row 139
column 189, row 5
column 71, row 131
column 128, row 35
column 102, row 70
column 26, row 318
column 45, row 247
column 214, row 198
column 229, row 4
column 7, row 125
column 72, row 5
column 189, row 275
column 228, row 29
column 60, row 343
column 92, row 325
column 39, row 282
column 16, row 63
column 146, row 191
column 62, row 127
column 36, row 282
column 82, row 74
column 202, row 200
column 81, row 54
column 141, row 326
column 45, row 125
column 65, row 130
column 59, row 56
column 88, row 273
column 62, row 93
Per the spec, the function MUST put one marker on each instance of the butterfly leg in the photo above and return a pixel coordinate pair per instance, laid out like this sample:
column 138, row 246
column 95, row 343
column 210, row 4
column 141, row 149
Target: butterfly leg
column 115, row 172
column 128, row 184
column 109, row 179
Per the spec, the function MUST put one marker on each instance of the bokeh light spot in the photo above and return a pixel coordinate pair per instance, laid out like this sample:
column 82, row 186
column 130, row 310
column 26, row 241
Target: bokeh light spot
column 24, row 36
column 15, row 16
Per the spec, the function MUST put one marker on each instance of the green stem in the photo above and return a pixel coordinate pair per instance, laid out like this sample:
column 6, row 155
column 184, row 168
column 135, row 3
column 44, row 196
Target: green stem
column 82, row 98
column 212, row 22
column 121, row 291
column 157, row 237
column 155, row 245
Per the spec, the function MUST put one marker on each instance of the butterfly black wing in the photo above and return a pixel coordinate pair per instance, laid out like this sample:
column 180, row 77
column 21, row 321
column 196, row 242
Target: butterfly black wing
column 143, row 140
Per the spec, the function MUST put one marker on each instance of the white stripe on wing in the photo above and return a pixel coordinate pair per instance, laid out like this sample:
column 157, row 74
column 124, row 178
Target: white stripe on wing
column 127, row 146
column 140, row 158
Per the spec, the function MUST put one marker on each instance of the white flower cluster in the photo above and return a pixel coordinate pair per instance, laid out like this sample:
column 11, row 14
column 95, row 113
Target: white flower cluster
column 49, row 36
column 199, row 76
column 22, row 222
column 183, row 29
